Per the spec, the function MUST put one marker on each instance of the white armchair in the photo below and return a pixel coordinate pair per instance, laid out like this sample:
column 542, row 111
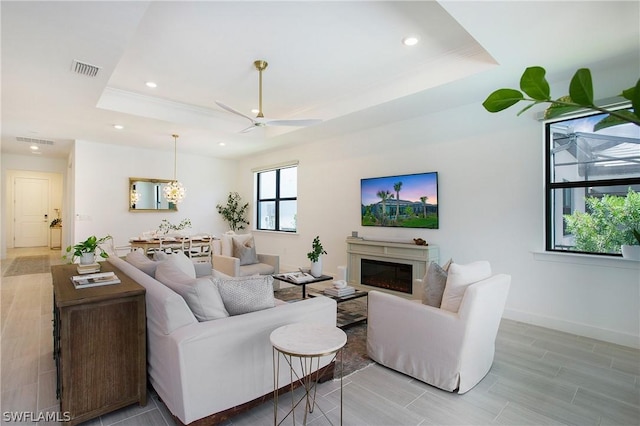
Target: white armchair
column 444, row 349
column 224, row 261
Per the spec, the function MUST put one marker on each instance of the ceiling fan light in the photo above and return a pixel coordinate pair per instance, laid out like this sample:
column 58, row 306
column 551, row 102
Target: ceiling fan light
column 410, row 40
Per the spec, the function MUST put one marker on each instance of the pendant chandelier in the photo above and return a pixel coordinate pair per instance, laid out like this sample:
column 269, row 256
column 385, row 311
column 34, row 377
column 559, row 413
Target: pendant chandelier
column 174, row 192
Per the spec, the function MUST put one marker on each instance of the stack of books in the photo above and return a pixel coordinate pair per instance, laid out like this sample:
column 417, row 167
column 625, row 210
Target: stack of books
column 88, row 268
column 94, row 280
column 346, row 291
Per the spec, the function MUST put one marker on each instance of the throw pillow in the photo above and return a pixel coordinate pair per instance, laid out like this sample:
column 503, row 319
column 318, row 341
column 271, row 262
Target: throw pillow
column 201, row 294
column 181, row 261
column 246, row 294
column 245, row 250
column 434, row 282
column 459, row 278
column 140, row 260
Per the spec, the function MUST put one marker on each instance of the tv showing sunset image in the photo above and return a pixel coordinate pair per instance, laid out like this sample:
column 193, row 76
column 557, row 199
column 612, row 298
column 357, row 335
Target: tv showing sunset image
column 405, row 201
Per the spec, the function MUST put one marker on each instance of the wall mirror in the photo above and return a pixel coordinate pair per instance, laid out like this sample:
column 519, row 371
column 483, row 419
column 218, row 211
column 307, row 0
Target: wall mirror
column 145, row 195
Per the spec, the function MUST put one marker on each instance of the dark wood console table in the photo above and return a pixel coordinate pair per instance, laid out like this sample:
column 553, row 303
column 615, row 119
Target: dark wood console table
column 99, row 344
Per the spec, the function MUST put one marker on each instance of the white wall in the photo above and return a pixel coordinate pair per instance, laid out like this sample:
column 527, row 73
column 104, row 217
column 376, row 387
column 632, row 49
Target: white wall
column 101, row 188
column 491, row 207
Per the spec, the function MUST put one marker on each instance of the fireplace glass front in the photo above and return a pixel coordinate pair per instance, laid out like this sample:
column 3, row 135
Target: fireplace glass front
column 386, row 275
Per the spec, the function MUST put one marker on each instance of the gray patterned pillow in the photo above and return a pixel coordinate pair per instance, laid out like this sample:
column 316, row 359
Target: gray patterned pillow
column 241, row 295
column 434, row 283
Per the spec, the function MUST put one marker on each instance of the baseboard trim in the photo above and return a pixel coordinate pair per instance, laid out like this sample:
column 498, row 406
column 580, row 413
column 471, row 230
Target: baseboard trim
column 611, row 336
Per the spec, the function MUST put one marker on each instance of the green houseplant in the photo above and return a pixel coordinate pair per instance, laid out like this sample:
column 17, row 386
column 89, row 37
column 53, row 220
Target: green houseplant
column 86, row 250
column 234, row 212
column 315, row 256
column 534, row 85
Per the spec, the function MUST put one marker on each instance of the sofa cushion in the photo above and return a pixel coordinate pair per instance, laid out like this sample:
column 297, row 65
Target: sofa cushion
column 180, row 261
column 201, row 294
column 245, row 250
column 167, row 311
column 256, row 269
column 246, row 294
column 459, row 278
column 140, row 260
column 434, row 283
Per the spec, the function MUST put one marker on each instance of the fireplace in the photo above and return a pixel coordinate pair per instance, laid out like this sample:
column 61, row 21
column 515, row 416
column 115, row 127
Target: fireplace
column 411, row 259
column 387, row 275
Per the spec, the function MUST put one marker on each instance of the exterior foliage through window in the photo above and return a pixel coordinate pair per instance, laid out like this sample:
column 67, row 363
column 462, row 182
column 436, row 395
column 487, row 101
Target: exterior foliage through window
column 592, row 185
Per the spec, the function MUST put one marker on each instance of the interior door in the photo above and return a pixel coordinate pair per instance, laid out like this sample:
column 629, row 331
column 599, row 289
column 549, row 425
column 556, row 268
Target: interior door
column 31, row 206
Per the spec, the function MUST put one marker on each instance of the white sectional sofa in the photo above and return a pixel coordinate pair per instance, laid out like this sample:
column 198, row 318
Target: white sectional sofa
column 207, row 371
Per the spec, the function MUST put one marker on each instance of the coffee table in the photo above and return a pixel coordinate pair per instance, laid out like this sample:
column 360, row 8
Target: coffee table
column 345, row 318
column 283, row 278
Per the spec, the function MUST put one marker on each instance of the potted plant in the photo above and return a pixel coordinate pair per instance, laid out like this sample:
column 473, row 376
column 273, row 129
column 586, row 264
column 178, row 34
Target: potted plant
column 86, row 250
column 234, row 213
column 315, row 257
column 632, row 252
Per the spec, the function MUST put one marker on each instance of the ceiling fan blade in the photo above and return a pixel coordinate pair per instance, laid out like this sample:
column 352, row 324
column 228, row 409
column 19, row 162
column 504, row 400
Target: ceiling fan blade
column 296, row 123
column 248, row 129
column 233, row 111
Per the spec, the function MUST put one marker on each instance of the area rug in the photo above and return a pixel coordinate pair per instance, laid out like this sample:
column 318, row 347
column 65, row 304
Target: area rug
column 354, row 355
column 24, row 265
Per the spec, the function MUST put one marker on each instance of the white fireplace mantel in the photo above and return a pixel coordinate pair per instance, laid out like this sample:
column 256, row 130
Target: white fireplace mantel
column 387, row 251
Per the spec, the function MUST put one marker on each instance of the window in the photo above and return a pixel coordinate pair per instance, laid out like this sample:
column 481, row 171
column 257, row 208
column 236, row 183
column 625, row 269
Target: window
column 277, row 198
column 592, row 185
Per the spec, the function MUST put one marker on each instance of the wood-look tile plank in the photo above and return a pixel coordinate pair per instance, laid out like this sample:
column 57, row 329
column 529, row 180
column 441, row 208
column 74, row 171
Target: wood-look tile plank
column 514, row 414
column 444, row 411
column 541, row 403
column 390, row 385
column 602, row 406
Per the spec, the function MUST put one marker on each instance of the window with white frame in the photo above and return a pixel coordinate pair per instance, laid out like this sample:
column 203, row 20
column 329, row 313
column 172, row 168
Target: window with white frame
column 276, row 192
column 592, row 181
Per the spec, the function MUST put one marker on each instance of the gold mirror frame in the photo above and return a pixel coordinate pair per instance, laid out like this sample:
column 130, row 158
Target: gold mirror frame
column 145, row 195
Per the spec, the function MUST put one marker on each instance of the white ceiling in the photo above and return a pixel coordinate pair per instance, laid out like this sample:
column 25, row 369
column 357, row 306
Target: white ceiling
column 342, row 62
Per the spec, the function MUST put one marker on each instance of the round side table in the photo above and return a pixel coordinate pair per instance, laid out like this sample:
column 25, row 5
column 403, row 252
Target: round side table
column 308, row 342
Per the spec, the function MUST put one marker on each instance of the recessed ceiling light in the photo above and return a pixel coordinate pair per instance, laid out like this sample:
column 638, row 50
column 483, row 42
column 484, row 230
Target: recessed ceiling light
column 34, row 147
column 410, row 40
column 255, row 110
column 118, row 126
column 222, row 144
column 151, row 84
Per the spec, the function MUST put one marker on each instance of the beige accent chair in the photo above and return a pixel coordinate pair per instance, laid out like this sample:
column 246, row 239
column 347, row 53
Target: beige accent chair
column 224, row 261
column 449, row 350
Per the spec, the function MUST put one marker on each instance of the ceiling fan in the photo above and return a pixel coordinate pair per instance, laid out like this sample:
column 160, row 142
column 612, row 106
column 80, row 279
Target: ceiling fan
column 260, row 121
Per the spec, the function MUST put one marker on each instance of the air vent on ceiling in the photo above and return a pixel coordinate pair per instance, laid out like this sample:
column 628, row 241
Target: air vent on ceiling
column 33, row 140
column 84, row 68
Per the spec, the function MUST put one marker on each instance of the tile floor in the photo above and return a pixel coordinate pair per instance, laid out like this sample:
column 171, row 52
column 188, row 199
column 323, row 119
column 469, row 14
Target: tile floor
column 540, row 376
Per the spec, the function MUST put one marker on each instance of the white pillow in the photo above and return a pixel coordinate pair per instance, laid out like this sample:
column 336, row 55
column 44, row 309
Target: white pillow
column 180, row 261
column 459, row 278
column 201, row 294
column 242, row 295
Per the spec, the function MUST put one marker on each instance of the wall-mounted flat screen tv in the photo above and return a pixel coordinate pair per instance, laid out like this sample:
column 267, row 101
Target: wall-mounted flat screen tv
column 404, row 201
